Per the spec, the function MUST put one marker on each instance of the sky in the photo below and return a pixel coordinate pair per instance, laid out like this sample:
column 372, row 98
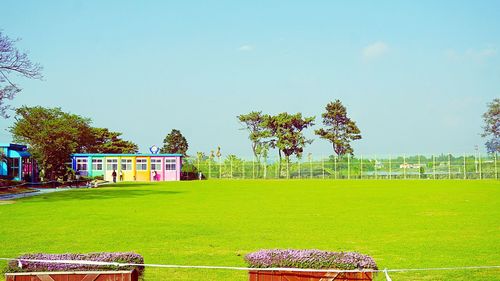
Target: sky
column 416, row 76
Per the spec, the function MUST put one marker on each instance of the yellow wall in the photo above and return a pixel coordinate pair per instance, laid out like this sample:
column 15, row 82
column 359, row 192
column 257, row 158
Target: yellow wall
column 128, row 175
column 144, row 175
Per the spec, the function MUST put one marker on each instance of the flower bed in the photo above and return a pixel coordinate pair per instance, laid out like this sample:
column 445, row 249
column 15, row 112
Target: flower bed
column 310, row 259
column 28, row 266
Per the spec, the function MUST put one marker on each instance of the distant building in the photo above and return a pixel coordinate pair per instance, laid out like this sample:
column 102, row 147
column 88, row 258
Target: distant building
column 411, row 166
column 18, row 164
column 133, row 167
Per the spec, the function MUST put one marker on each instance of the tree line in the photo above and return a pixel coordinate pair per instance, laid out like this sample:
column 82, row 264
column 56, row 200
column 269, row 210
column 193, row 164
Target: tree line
column 284, row 132
column 52, row 135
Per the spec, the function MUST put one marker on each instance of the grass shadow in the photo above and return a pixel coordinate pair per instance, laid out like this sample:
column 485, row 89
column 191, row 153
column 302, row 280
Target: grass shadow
column 118, row 191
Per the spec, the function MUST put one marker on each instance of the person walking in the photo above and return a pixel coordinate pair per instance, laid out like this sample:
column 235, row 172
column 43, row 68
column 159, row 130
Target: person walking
column 114, row 176
column 121, row 175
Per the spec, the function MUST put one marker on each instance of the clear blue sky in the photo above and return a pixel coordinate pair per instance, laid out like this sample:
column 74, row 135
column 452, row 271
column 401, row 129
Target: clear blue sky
column 415, row 75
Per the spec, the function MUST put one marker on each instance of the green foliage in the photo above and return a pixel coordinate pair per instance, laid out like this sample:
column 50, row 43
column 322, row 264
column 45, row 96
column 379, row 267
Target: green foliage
column 175, row 142
column 52, row 135
column 492, row 126
column 340, row 130
column 188, row 167
column 255, row 123
column 286, row 129
column 105, row 141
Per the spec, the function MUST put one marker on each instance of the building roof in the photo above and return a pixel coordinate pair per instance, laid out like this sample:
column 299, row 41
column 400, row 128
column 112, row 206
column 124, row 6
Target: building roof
column 126, row 155
column 15, row 150
column 14, row 146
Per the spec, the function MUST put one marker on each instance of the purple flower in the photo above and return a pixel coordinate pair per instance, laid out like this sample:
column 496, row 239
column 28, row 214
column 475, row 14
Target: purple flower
column 310, row 259
column 28, row 266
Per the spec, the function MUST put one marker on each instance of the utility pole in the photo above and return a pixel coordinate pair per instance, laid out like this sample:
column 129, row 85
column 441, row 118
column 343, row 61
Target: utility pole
column 323, row 166
column 390, row 167
column 465, row 168
column 434, row 166
column 449, row 165
column 404, row 166
column 361, row 166
column 348, row 167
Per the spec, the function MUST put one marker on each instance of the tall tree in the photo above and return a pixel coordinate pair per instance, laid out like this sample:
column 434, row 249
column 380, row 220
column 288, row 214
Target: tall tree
column 340, row 130
column 52, row 136
column 175, row 142
column 286, row 130
column 105, row 141
column 492, row 126
column 254, row 123
column 13, row 61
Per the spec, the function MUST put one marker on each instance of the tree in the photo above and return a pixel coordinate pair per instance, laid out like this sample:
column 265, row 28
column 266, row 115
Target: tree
column 104, row 141
column 175, row 142
column 3, row 157
column 254, row 123
column 52, row 136
column 492, row 126
column 286, row 129
column 13, row 61
column 340, row 130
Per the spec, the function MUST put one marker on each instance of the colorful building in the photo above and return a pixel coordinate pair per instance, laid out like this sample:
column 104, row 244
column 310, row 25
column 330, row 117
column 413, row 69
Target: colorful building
column 17, row 163
column 133, row 167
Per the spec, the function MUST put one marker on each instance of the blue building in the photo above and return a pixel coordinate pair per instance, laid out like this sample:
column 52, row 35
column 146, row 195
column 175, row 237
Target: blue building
column 17, row 164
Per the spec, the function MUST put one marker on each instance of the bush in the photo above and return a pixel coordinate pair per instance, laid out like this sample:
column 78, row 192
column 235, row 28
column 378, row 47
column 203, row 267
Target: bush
column 100, row 257
column 189, row 168
column 9, row 182
column 191, row 176
column 310, row 259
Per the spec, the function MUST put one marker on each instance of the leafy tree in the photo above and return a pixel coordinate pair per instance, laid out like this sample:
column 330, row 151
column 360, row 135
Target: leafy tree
column 232, row 165
column 52, row 136
column 3, row 157
column 13, row 61
column 104, row 141
column 286, row 129
column 340, row 130
column 254, row 123
column 175, row 142
column 492, row 126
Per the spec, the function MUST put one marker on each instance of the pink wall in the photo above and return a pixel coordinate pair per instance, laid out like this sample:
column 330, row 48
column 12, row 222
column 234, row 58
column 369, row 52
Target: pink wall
column 159, row 172
column 172, row 175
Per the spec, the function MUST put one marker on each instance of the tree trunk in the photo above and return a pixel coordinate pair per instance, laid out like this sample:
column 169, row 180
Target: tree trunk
column 279, row 163
column 287, row 159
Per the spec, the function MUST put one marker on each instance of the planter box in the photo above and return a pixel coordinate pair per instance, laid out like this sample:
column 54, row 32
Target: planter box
column 130, row 275
column 309, row 276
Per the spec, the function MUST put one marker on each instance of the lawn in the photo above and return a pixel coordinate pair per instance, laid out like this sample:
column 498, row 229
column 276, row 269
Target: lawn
column 402, row 224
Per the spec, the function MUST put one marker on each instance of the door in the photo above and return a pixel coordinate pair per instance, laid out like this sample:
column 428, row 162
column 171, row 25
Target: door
column 156, row 169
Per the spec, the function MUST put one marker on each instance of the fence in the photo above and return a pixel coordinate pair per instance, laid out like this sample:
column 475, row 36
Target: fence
column 443, row 166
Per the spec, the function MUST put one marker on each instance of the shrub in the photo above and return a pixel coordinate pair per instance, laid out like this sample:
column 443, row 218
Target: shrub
column 8, row 182
column 309, row 259
column 27, row 266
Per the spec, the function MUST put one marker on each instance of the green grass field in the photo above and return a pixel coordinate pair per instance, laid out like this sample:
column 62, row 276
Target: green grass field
column 402, row 224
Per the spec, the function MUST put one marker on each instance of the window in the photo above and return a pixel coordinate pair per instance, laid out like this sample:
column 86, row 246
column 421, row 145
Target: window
column 170, row 164
column 141, row 164
column 13, row 164
column 81, row 164
column 155, row 164
column 127, row 164
column 97, row 164
column 111, row 164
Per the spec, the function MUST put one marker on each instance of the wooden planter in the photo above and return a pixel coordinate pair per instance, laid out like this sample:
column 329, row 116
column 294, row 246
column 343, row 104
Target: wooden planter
column 130, row 275
column 309, row 276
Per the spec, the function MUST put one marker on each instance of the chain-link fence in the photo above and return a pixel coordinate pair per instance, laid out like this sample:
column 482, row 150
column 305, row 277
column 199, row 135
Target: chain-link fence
column 443, row 166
